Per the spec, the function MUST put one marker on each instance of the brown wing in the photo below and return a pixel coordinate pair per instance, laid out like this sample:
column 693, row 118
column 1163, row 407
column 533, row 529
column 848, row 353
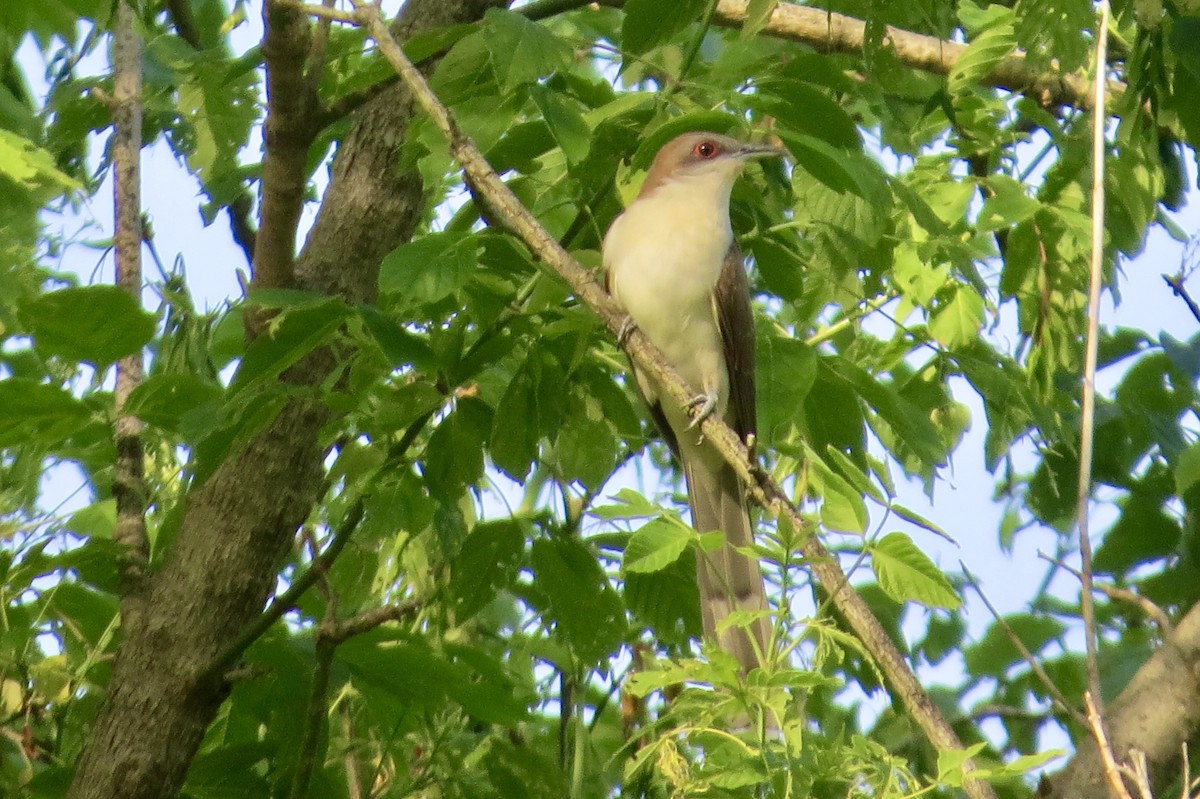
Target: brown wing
column 731, row 296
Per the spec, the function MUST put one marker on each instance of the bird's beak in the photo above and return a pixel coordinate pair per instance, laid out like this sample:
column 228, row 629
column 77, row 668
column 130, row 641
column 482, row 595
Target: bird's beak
column 748, row 150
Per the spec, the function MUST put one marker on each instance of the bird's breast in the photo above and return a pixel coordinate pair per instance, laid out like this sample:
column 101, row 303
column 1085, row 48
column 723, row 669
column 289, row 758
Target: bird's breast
column 664, row 256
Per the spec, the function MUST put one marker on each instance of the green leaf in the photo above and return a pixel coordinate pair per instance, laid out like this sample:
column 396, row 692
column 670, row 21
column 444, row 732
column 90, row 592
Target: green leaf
column 906, row 574
column 565, row 120
column 488, row 563
column 531, row 408
column 842, row 506
column 804, row 109
column 31, row 167
column 585, row 608
column 430, row 268
column 649, row 23
column 1009, row 205
column 35, row 413
column 758, row 14
column 982, row 55
column 1187, row 469
column 957, row 322
column 632, row 505
column 522, row 50
column 96, row 324
column 668, row 601
column 175, row 402
column 454, row 455
column 910, row 422
column 293, row 333
column 97, row 520
column 784, row 374
column 836, row 459
column 656, row 545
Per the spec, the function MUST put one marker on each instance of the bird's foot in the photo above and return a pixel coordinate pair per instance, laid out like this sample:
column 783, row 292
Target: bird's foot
column 627, row 327
column 702, row 407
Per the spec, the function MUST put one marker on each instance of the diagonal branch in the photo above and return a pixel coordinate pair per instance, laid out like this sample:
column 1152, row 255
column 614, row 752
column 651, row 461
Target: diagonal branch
column 129, row 485
column 762, row 489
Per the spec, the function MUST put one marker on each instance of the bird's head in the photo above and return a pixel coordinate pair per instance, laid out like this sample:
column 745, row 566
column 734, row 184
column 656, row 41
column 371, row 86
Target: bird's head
column 703, row 157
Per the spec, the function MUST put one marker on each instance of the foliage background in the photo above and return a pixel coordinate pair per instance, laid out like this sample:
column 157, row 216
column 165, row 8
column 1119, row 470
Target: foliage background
column 464, row 688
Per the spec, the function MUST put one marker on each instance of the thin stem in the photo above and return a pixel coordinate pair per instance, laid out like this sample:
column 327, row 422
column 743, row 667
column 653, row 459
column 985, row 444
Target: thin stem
column 1088, row 412
column 314, row 723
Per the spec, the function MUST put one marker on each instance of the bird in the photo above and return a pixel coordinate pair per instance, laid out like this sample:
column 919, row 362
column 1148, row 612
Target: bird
column 671, row 262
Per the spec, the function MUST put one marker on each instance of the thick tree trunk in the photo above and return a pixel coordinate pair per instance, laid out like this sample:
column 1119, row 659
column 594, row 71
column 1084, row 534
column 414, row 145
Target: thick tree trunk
column 1156, row 713
column 238, row 525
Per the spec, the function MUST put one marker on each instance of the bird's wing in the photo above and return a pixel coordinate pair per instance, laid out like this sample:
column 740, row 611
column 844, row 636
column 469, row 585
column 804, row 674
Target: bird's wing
column 735, row 318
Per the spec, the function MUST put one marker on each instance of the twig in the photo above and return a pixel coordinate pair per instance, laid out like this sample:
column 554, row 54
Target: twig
column 330, row 633
column 1152, row 611
column 129, row 484
column 316, row 54
column 1087, row 420
column 314, row 721
column 350, row 764
column 760, row 488
column 1176, row 284
column 1139, row 772
column 1038, row 671
column 1112, row 773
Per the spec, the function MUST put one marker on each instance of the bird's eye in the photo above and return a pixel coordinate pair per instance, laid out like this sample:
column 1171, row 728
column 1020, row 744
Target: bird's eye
column 706, row 149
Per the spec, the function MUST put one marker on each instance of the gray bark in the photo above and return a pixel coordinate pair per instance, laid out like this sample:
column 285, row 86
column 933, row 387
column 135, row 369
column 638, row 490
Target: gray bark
column 238, row 525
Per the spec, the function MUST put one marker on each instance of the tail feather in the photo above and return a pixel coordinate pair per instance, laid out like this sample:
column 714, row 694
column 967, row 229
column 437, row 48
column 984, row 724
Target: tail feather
column 728, row 580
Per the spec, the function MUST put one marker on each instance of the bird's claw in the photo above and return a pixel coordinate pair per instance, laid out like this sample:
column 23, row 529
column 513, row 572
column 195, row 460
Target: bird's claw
column 704, row 404
column 627, row 327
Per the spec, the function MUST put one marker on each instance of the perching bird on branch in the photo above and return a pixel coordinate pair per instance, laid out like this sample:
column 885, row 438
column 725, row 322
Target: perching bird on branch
column 671, row 262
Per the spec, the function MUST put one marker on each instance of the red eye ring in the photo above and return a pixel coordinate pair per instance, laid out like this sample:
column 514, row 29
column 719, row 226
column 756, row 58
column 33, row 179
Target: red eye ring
column 706, row 149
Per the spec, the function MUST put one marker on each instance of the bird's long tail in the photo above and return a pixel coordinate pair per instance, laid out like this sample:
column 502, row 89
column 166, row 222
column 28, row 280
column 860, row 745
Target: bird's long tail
column 728, row 579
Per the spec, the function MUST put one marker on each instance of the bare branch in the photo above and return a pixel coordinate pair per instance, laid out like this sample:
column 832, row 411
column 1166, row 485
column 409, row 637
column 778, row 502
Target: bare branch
column 1028, row 657
column 837, row 33
column 1111, row 772
column 1176, row 284
column 1087, row 418
column 762, row 489
column 129, row 485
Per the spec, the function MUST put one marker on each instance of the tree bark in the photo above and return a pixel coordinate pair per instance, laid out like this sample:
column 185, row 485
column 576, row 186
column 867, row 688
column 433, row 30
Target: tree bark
column 240, row 522
column 1157, row 712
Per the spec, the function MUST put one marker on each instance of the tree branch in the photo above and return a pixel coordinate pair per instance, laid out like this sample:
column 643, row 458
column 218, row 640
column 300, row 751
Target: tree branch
column 829, row 32
column 329, row 635
column 238, row 524
column 129, row 484
column 1087, row 416
column 761, row 488
column 287, row 133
